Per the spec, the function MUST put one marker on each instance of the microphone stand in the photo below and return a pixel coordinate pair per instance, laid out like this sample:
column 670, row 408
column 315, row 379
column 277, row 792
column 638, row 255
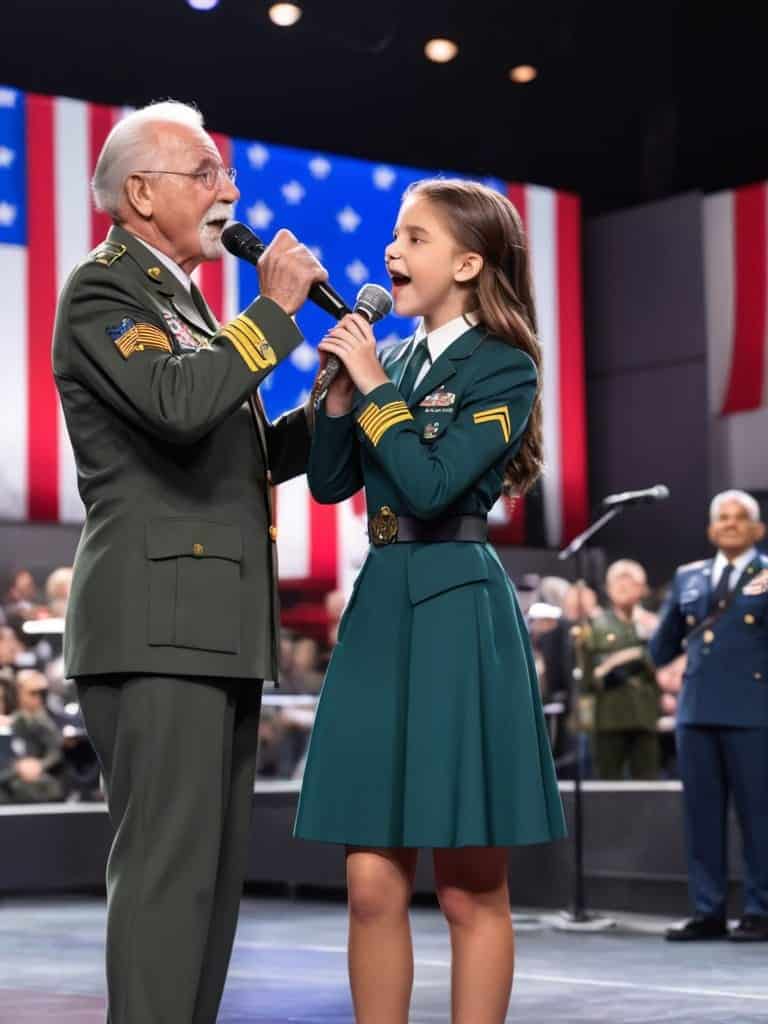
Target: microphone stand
column 578, row 918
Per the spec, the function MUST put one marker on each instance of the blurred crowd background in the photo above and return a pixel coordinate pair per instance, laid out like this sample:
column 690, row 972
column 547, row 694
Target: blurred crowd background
column 605, row 703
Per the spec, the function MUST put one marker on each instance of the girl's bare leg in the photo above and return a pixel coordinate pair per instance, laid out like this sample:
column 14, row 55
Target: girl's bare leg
column 379, row 883
column 474, row 897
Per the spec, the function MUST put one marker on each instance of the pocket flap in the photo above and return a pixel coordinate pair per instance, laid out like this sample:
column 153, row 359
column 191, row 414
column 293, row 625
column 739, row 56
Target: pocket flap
column 196, row 538
column 435, row 568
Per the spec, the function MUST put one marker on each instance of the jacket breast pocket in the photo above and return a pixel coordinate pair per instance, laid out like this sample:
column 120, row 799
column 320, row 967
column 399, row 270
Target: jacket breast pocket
column 194, row 584
column 436, row 568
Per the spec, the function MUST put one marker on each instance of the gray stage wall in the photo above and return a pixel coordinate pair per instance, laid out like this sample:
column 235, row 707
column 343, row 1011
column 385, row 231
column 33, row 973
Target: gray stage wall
column 645, row 327
column 633, row 851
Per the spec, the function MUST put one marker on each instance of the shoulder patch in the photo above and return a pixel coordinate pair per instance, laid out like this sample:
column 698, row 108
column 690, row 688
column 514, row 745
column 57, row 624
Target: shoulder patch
column 692, row 565
column 130, row 337
column 108, row 253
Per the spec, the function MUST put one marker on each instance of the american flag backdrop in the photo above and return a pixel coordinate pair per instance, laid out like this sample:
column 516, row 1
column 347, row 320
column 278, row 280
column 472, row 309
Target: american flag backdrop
column 736, row 264
column 344, row 209
column 735, row 244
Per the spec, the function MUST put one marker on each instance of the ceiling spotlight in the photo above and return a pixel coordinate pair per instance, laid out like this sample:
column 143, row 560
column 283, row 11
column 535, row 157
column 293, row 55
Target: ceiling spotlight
column 285, row 15
column 523, row 73
column 441, row 50
column 203, row 5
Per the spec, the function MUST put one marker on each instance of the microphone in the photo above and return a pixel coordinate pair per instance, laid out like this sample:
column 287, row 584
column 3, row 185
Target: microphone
column 374, row 303
column 238, row 239
column 658, row 493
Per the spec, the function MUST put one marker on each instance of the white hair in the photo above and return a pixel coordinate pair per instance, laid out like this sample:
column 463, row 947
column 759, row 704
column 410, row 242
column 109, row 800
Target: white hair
column 129, row 146
column 625, row 567
column 745, row 500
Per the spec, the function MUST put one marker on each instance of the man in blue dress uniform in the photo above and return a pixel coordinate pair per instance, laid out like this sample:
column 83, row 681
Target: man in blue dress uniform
column 718, row 611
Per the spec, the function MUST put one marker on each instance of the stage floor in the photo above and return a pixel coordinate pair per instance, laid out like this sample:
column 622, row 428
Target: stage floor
column 289, row 966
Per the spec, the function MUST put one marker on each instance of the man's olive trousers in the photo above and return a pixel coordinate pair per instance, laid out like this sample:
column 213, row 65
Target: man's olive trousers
column 178, row 758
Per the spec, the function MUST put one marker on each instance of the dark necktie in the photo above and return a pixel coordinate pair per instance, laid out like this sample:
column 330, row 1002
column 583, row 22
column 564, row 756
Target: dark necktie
column 419, row 357
column 723, row 588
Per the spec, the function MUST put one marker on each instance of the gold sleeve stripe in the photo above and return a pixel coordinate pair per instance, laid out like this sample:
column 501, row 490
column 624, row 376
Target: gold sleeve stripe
column 500, row 415
column 376, row 420
column 141, row 337
column 403, row 417
column 372, row 412
column 250, row 343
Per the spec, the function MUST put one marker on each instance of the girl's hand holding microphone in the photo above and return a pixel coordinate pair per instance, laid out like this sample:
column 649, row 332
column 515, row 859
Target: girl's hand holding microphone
column 353, row 344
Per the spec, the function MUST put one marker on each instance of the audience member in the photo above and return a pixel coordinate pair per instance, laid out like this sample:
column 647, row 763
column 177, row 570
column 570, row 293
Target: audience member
column 36, row 746
column 57, row 588
column 618, row 671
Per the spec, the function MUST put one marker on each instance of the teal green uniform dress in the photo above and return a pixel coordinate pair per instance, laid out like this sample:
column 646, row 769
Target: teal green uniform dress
column 429, row 730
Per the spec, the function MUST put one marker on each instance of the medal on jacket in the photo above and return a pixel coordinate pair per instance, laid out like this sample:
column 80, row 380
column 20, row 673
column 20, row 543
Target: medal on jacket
column 183, row 335
column 759, row 585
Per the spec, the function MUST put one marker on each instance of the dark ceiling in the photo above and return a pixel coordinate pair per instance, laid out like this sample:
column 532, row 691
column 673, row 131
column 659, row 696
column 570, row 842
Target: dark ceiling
column 634, row 101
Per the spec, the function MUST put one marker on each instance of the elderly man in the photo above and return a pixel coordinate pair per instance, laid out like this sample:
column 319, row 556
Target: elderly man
column 718, row 610
column 620, row 675
column 171, row 622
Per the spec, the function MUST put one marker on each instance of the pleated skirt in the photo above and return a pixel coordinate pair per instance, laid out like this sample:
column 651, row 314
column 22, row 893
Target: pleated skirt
column 429, row 730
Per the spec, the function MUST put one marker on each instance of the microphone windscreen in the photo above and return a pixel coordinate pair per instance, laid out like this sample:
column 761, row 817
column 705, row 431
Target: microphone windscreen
column 374, row 302
column 238, row 239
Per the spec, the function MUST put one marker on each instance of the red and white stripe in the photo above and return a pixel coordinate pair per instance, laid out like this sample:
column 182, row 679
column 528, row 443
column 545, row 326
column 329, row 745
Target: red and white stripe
column 553, row 226
column 65, row 137
column 736, row 276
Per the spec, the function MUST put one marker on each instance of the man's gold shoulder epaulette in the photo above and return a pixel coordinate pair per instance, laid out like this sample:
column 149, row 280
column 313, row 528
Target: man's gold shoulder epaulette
column 107, row 253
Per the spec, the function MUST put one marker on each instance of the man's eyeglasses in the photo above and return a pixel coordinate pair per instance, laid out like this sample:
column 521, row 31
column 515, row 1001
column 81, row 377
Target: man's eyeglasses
column 208, row 178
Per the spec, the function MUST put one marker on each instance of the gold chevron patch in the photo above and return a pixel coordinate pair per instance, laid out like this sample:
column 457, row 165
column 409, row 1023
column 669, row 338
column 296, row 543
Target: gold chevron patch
column 376, row 420
column 139, row 337
column 500, row 415
column 250, row 343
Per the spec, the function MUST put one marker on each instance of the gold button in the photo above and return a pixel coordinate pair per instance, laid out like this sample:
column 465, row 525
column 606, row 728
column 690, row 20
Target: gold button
column 721, row 604
column 709, row 636
column 273, row 533
column 610, row 638
column 691, row 620
column 198, row 550
column 749, row 619
column 154, row 272
column 758, row 675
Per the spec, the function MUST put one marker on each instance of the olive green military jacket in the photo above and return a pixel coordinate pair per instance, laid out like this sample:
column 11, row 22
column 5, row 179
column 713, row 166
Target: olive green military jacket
column 628, row 699
column 175, row 572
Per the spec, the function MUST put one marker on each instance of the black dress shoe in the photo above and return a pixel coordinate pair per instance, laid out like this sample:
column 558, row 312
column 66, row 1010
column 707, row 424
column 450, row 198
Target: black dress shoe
column 751, row 928
column 698, row 929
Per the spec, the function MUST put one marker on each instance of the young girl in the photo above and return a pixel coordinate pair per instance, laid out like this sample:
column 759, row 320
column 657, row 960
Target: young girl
column 429, row 731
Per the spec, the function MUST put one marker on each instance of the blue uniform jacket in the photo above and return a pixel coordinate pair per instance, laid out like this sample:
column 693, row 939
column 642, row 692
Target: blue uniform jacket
column 726, row 678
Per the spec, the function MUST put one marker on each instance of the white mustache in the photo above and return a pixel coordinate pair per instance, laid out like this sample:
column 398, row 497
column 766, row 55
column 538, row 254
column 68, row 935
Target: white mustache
column 219, row 211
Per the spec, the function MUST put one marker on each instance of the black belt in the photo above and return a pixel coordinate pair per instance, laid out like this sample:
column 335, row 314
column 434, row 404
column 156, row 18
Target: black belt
column 386, row 527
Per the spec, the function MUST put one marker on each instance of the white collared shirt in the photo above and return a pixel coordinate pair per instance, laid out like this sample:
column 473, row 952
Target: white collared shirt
column 174, row 268
column 739, row 565
column 439, row 340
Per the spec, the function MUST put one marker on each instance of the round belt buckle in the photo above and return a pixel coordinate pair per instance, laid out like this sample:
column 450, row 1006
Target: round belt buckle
column 384, row 526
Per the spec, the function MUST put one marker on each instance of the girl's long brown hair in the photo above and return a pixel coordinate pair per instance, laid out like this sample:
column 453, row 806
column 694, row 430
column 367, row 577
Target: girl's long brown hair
column 484, row 221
